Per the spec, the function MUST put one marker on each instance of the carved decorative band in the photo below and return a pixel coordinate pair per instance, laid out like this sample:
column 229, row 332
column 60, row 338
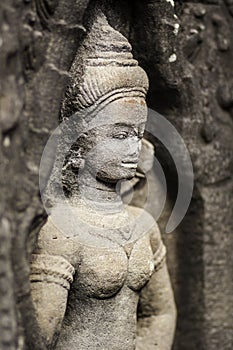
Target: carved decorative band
column 108, row 98
column 51, row 269
column 102, row 85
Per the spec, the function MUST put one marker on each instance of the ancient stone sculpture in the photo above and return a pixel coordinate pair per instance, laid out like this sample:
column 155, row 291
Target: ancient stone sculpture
column 104, row 285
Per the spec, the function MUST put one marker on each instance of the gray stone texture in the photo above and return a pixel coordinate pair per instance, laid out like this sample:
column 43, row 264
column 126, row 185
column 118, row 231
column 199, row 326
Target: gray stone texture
column 39, row 40
column 114, row 252
column 35, row 58
column 189, row 92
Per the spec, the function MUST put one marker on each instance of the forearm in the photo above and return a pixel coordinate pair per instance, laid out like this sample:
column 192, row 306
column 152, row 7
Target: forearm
column 157, row 314
column 156, row 332
column 50, row 281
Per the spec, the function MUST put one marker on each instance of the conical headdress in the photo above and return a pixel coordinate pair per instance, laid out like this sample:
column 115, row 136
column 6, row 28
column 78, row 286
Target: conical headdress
column 107, row 69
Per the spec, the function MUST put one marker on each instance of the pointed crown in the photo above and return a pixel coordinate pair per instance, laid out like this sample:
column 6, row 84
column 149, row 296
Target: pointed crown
column 104, row 70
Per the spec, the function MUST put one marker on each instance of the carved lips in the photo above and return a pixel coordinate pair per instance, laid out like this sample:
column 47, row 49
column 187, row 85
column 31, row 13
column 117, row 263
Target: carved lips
column 127, row 164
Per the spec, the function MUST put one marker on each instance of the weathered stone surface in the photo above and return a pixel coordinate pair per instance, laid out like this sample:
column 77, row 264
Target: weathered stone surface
column 193, row 91
column 115, row 251
column 34, row 71
column 198, row 85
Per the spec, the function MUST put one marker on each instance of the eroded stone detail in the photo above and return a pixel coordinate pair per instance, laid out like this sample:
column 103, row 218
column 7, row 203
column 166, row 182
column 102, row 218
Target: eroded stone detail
column 111, row 257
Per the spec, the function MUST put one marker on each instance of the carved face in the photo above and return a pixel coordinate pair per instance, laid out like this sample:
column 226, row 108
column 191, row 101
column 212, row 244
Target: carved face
column 113, row 144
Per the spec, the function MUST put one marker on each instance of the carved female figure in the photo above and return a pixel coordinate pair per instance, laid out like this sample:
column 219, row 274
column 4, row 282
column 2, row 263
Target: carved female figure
column 110, row 290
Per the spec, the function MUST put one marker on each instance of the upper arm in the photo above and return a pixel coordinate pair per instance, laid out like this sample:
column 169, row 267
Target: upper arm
column 50, row 277
column 49, row 263
column 158, row 247
column 157, row 296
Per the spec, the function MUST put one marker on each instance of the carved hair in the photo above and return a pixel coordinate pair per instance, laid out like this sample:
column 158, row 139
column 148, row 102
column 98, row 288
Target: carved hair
column 104, row 70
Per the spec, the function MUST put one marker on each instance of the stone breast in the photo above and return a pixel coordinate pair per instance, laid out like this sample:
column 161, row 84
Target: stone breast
column 102, row 272
column 141, row 264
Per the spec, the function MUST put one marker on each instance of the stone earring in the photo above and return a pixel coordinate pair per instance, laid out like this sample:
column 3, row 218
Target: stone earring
column 77, row 163
column 82, row 163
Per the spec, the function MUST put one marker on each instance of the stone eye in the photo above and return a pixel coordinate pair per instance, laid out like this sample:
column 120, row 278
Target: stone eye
column 121, row 135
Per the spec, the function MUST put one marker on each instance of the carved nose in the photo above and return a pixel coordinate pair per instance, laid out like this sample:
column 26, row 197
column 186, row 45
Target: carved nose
column 134, row 147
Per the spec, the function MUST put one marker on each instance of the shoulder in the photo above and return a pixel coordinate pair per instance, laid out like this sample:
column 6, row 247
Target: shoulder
column 142, row 214
column 144, row 221
column 52, row 240
column 49, row 231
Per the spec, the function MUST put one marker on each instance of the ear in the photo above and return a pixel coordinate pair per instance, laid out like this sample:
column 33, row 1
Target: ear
column 82, row 163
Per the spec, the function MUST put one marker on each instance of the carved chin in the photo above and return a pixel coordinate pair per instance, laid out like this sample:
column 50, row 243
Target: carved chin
column 124, row 173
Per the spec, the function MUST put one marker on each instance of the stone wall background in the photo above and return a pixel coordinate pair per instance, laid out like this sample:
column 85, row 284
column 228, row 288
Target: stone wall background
column 195, row 94
column 38, row 42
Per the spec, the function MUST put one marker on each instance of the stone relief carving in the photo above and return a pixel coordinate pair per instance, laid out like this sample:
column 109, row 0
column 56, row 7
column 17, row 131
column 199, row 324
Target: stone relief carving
column 104, row 284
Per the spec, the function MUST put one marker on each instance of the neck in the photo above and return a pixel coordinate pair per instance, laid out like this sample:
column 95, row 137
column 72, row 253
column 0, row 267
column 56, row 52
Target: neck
column 98, row 194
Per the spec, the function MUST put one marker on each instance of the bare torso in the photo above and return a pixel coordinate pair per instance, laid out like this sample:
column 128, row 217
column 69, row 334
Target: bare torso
column 109, row 273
